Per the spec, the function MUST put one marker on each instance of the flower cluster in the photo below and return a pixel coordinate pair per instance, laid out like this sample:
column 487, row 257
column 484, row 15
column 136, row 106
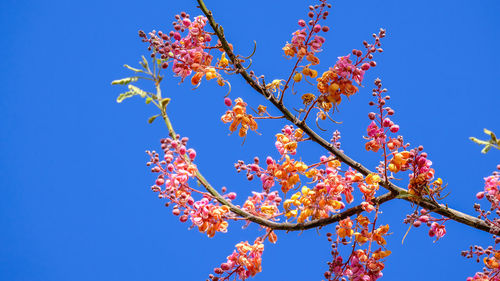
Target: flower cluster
column 491, row 190
column 338, row 80
column 286, row 141
column 209, row 218
column 420, row 179
column 189, row 53
column 245, row 262
column 436, row 226
column 174, row 171
column 172, row 183
column 306, row 42
column 369, row 187
column 396, row 156
column 332, row 86
column 363, row 264
column 287, row 173
column 238, row 116
column 491, row 259
column 329, row 182
column 263, row 204
column 313, row 204
column 381, row 123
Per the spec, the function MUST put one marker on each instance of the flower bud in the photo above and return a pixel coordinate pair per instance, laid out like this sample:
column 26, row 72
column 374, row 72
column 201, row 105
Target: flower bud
column 224, row 266
column 386, row 122
column 297, row 77
column 480, row 195
column 423, row 218
column 269, row 160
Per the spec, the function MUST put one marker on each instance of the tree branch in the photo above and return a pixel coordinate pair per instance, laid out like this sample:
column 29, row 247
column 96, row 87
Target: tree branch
column 394, row 189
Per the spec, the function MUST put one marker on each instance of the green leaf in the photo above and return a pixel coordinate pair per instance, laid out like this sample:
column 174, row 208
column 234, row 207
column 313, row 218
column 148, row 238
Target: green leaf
column 478, row 141
column 138, row 91
column 149, row 100
column 152, row 118
column 123, row 96
column 125, row 81
column 144, row 63
column 491, row 134
column 164, row 102
column 132, row 68
column 486, row 149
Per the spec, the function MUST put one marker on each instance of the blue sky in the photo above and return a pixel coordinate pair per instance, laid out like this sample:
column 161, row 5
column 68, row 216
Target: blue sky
column 76, row 203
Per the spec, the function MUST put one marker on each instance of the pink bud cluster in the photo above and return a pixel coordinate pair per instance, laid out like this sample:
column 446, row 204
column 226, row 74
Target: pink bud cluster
column 306, row 42
column 436, row 226
column 491, row 190
column 173, row 170
column 422, row 171
column 244, row 262
column 381, row 123
column 188, row 52
column 490, row 257
column 491, row 193
column 335, row 140
column 356, row 70
column 172, row 183
column 345, row 69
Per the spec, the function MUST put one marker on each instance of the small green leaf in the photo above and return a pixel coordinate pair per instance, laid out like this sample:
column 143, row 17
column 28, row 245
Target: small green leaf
column 149, row 100
column 152, row 118
column 123, row 96
column 125, row 81
column 491, row 134
column 486, row 149
column 478, row 141
column 164, row 102
column 144, row 63
column 137, row 91
column 132, row 68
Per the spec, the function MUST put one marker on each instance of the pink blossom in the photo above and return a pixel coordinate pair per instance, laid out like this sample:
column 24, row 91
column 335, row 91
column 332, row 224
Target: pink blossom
column 437, row 230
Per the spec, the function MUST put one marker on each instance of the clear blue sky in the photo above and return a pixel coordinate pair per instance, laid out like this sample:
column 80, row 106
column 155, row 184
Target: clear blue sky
column 75, row 202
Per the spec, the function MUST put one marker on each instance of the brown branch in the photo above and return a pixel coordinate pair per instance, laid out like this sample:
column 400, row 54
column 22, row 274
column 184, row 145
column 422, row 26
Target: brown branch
column 394, row 189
